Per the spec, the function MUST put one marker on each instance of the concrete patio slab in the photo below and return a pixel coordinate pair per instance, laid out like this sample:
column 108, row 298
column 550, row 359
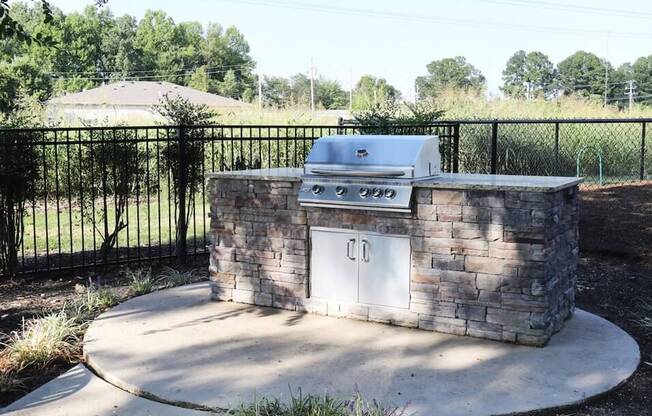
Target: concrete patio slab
column 177, row 345
column 79, row 392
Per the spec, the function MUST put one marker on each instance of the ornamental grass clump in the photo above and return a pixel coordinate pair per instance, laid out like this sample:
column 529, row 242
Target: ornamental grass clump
column 140, row 281
column 172, row 277
column 313, row 405
column 89, row 304
column 43, row 340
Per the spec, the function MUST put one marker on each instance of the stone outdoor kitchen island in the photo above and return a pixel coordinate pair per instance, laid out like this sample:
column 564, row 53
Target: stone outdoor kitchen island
column 489, row 256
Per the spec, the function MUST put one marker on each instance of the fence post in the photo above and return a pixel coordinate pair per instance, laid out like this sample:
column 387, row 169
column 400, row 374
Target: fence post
column 494, row 148
column 456, row 148
column 642, row 162
column 557, row 148
column 182, row 233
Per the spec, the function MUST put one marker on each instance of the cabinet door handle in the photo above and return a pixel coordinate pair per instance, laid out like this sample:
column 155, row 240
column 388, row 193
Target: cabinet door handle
column 350, row 247
column 365, row 251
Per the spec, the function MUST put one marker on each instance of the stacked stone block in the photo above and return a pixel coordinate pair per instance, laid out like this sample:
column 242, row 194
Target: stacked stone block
column 485, row 263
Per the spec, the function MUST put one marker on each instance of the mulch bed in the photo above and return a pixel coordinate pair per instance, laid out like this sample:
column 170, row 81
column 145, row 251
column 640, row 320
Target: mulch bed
column 615, row 281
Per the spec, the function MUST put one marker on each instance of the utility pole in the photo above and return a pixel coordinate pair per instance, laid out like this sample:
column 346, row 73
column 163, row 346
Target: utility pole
column 350, row 90
column 312, row 86
column 416, row 93
column 606, row 81
column 260, row 90
column 527, row 90
column 631, row 94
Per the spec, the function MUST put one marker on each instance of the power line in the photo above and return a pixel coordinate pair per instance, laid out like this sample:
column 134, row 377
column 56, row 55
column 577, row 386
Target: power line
column 549, row 5
column 433, row 19
column 145, row 71
column 142, row 77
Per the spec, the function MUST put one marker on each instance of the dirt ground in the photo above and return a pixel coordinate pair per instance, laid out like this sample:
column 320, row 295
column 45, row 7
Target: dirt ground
column 615, row 282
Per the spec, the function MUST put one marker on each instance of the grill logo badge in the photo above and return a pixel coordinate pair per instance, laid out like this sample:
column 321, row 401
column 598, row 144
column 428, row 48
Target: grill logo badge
column 361, row 153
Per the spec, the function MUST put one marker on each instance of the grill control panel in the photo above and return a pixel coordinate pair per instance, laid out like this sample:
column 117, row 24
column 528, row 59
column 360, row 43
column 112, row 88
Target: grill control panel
column 390, row 197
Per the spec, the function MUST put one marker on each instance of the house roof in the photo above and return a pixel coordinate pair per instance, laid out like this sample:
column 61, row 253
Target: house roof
column 142, row 93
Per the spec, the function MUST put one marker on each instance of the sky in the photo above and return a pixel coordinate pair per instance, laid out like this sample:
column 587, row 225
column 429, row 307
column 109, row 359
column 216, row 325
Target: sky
column 395, row 40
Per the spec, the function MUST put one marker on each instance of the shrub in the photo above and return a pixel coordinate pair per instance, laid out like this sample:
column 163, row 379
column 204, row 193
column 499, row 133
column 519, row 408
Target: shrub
column 19, row 167
column 42, row 340
column 183, row 158
column 114, row 167
column 140, row 281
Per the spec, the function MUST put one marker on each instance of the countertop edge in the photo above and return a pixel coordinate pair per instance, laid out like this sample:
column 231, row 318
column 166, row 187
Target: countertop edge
column 434, row 185
column 490, row 187
column 252, row 177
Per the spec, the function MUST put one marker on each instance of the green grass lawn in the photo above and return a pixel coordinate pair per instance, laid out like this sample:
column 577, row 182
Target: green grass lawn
column 149, row 223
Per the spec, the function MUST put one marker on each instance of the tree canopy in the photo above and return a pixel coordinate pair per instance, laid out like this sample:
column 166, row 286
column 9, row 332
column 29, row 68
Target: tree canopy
column 582, row 73
column 93, row 47
column 371, row 91
column 449, row 73
column 528, row 75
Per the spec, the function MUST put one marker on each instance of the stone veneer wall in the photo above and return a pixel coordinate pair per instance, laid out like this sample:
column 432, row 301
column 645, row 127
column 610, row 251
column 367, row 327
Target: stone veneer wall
column 491, row 264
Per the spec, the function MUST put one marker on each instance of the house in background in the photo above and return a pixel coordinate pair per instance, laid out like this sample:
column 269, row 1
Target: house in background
column 129, row 102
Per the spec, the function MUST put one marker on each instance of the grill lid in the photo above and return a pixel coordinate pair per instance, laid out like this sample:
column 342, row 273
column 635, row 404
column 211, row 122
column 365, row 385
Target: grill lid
column 374, row 156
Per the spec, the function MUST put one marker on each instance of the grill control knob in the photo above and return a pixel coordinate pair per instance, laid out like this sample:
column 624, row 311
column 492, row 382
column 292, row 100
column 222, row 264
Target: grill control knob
column 377, row 193
column 317, row 189
column 340, row 190
column 390, row 193
column 364, row 192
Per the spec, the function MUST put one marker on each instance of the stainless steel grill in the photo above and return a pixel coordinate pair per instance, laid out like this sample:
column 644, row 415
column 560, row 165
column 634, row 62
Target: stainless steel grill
column 368, row 172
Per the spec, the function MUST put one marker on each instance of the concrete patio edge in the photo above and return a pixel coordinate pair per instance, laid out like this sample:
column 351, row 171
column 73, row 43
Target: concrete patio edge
column 179, row 303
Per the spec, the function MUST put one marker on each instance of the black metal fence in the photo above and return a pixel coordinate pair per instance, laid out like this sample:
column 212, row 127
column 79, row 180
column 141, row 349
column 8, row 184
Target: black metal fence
column 113, row 195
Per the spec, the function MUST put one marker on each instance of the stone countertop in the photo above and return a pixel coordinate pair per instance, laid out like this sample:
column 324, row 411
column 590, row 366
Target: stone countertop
column 444, row 181
column 270, row 174
column 499, row 182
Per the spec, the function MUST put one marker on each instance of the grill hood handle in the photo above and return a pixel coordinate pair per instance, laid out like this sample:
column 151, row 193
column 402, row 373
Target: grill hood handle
column 352, row 172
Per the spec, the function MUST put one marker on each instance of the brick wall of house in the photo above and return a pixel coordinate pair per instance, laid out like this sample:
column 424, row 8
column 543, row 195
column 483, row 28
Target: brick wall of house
column 489, row 264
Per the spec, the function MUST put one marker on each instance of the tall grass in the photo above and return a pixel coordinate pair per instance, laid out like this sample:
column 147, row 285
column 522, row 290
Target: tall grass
column 461, row 105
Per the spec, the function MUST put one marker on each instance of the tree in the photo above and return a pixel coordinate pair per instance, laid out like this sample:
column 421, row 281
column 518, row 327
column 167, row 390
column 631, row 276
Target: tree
column 184, row 157
column 641, row 73
column 225, row 51
column 300, row 90
column 371, row 91
column 199, row 79
column 120, row 56
column 528, row 74
column 156, row 38
column 229, row 87
column 115, row 167
column 276, row 91
column 449, row 73
column 331, row 95
column 582, row 73
column 83, row 56
column 11, row 28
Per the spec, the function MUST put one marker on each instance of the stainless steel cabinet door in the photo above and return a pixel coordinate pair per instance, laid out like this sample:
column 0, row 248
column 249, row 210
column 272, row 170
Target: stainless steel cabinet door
column 334, row 265
column 384, row 275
